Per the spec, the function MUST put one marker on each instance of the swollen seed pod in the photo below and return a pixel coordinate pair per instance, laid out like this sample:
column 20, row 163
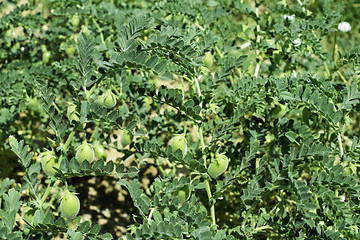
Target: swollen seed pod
column 70, row 205
column 208, row 60
column 48, row 161
column 126, row 138
column 279, row 110
column 183, row 193
column 28, row 213
column 85, row 152
column 218, row 166
column 75, row 20
column 70, row 50
column 100, row 151
column 46, row 57
column 108, row 99
column 179, row 142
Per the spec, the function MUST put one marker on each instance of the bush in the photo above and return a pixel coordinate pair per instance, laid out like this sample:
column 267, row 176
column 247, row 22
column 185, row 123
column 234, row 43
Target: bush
column 265, row 93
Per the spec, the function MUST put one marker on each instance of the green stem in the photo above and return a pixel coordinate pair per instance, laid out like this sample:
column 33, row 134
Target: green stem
column 257, row 68
column 206, row 181
column 218, row 51
column 124, row 103
column 93, row 133
column 183, row 88
column 57, row 108
column 116, row 91
column 99, row 28
column 326, row 69
column 198, row 25
column 198, row 87
column 66, row 144
column 258, row 40
column 49, row 187
column 150, row 214
column 301, row 5
column 88, row 93
column 340, row 145
column 162, row 170
column 245, row 45
column 68, row 141
column 334, row 48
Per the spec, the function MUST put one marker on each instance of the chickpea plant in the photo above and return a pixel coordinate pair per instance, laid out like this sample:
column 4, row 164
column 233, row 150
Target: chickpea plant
column 216, row 119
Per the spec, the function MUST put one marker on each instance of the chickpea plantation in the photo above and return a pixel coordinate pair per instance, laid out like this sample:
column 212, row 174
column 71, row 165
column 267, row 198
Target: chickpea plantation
column 179, row 119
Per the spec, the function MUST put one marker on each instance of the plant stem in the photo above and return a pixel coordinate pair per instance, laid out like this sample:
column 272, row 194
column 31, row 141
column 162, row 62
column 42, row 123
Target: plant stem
column 68, row 141
column 257, row 69
column 207, row 184
column 326, row 69
column 57, row 108
column 198, row 87
column 198, row 25
column 88, row 93
column 117, row 91
column 66, row 145
column 206, row 181
column 245, row 45
column 93, row 133
column 150, row 214
column 301, row 5
column 340, row 145
column 334, row 48
column 46, row 193
column 99, row 28
column 218, row 51
column 258, row 40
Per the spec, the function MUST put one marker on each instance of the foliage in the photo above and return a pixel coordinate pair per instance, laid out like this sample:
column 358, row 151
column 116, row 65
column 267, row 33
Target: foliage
column 278, row 99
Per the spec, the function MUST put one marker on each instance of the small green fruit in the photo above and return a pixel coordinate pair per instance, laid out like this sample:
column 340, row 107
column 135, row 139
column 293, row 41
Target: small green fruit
column 126, row 138
column 70, row 205
column 179, row 142
column 349, row 170
column 208, row 60
column 48, row 161
column 147, row 102
column 70, row 50
column 279, row 110
column 75, row 20
column 28, row 213
column 85, row 152
column 108, row 99
column 33, row 103
column 85, row 30
column 183, row 193
column 218, row 166
column 46, row 57
column 100, row 151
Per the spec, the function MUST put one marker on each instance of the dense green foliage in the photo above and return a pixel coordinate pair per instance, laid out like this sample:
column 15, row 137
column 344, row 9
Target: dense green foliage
column 266, row 89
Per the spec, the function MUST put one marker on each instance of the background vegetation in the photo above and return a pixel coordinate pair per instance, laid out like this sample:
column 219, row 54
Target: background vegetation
column 272, row 85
